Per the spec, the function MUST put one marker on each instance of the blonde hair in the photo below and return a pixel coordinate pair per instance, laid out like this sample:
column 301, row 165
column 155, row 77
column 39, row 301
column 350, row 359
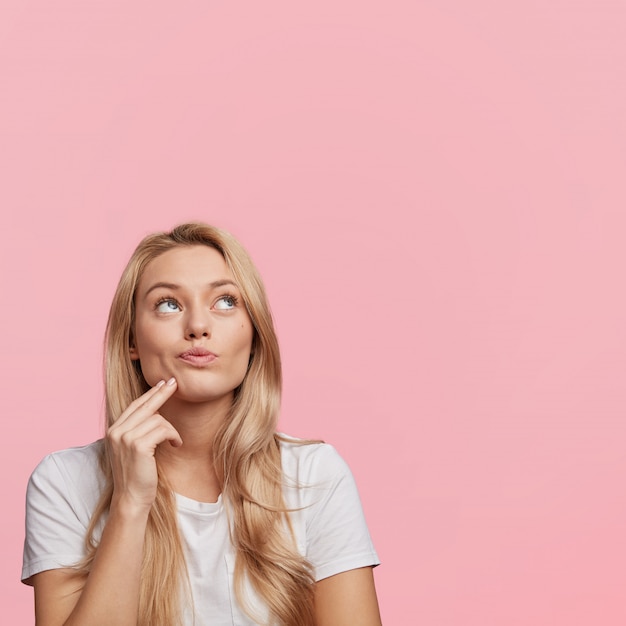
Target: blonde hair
column 246, row 454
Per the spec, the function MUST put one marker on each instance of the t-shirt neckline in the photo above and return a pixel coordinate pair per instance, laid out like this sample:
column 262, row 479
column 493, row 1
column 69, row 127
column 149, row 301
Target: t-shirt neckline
column 199, row 508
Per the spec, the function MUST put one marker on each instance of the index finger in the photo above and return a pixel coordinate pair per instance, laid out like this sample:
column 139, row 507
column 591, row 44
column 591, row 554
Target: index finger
column 153, row 399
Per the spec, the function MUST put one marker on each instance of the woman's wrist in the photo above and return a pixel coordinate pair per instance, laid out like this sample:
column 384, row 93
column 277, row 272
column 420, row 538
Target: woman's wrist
column 126, row 508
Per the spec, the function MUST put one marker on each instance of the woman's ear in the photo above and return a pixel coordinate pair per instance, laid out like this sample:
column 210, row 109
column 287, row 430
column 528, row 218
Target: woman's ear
column 134, row 353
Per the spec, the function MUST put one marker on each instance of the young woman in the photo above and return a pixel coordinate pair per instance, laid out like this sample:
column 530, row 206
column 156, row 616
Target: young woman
column 192, row 509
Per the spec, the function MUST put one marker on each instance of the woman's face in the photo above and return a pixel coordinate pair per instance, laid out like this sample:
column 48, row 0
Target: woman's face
column 191, row 323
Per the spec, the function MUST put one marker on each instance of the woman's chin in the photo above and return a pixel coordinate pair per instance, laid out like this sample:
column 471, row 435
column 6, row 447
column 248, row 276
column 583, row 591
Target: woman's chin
column 194, row 394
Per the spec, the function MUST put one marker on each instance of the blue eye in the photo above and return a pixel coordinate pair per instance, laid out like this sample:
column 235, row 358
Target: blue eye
column 226, row 303
column 167, row 305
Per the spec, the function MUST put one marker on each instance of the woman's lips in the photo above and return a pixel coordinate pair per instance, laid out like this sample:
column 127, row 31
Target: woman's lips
column 197, row 356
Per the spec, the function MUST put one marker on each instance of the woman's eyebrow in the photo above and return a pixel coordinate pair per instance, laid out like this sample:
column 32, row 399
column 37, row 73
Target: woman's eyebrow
column 174, row 286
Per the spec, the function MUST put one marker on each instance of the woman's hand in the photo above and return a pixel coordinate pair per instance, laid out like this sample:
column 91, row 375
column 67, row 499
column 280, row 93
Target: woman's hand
column 110, row 593
column 133, row 440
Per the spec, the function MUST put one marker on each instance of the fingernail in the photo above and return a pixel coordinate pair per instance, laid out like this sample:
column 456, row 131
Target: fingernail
column 160, row 384
column 171, row 381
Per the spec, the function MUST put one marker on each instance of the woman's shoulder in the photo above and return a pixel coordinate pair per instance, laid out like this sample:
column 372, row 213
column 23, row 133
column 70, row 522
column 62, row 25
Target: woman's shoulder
column 325, row 510
column 78, row 466
column 309, row 460
column 79, row 456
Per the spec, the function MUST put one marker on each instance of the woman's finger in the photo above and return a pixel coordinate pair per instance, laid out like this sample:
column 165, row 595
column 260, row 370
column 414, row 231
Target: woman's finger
column 150, row 401
column 131, row 436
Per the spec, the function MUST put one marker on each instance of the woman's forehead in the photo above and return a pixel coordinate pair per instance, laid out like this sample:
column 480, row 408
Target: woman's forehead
column 186, row 266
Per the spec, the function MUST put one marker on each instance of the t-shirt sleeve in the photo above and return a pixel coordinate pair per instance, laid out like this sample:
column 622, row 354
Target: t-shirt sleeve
column 54, row 531
column 338, row 539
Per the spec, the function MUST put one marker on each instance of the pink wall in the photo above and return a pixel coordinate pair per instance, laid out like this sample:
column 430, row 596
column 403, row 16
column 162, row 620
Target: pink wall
column 434, row 192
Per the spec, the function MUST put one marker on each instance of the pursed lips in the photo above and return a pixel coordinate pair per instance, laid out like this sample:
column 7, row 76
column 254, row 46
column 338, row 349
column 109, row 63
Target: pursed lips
column 197, row 356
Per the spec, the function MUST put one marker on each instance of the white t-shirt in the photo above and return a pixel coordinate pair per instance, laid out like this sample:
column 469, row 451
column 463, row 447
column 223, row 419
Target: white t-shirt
column 329, row 526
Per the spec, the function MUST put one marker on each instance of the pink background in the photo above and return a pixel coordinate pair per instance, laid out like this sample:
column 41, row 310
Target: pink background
column 434, row 193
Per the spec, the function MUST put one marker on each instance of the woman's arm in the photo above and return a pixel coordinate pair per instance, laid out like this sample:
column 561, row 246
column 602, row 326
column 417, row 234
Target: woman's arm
column 347, row 599
column 109, row 595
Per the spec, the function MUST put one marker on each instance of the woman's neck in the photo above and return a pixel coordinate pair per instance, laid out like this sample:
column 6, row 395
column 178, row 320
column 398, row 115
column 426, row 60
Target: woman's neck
column 189, row 468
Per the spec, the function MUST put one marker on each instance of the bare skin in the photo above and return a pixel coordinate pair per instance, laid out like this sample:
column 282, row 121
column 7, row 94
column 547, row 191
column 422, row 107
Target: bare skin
column 347, row 599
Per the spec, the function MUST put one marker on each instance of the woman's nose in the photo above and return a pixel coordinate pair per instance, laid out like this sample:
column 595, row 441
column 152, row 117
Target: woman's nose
column 197, row 326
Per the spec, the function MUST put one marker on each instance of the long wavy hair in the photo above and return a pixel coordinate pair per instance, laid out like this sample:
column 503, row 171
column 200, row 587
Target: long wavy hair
column 246, row 454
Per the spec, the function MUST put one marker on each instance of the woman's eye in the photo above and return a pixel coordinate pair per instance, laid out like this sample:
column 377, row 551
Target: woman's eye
column 167, row 306
column 225, row 303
